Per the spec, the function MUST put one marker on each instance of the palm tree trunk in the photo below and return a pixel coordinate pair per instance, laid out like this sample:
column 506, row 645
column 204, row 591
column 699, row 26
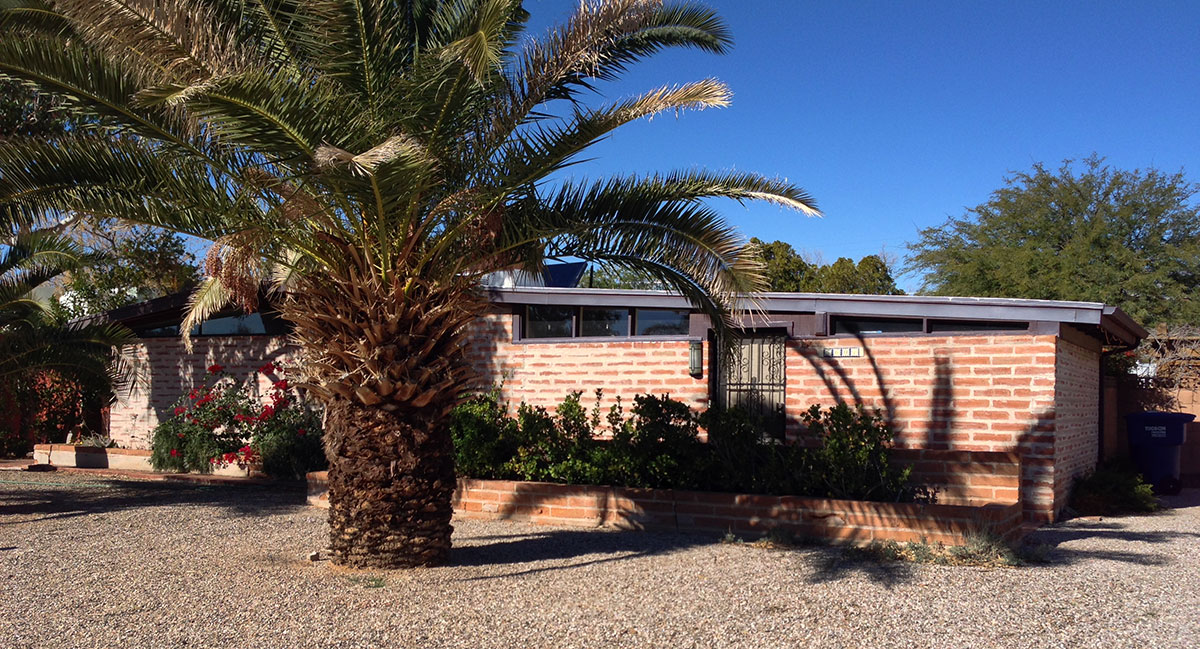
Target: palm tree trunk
column 390, row 486
column 390, row 364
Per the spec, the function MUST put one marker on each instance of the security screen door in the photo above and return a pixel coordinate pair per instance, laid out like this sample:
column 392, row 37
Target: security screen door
column 752, row 376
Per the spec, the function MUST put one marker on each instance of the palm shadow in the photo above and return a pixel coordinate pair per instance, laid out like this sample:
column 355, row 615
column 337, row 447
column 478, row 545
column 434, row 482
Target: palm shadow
column 41, row 502
column 1058, row 541
column 576, row 547
column 836, row 564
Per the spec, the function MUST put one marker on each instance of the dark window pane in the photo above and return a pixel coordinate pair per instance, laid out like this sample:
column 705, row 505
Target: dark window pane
column 604, row 322
column 662, row 322
column 844, row 325
column 938, row 326
column 158, row 332
column 549, row 322
column 238, row 325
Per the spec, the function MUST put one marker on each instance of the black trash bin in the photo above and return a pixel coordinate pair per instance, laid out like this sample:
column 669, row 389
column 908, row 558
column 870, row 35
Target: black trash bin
column 1156, row 439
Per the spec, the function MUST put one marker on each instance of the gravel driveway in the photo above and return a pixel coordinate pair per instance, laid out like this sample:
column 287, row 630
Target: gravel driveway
column 88, row 562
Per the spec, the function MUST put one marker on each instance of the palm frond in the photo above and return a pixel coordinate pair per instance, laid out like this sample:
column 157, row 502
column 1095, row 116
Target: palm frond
column 209, row 297
column 123, row 178
column 540, row 150
column 94, row 85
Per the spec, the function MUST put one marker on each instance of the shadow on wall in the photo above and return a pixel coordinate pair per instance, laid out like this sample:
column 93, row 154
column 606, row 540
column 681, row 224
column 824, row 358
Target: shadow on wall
column 1034, row 444
column 940, row 421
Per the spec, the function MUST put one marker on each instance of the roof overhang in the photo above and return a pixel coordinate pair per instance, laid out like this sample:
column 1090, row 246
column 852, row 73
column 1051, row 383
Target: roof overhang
column 1114, row 325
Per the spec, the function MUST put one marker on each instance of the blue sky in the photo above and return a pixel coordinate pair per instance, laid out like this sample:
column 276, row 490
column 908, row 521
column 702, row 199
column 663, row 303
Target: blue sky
column 896, row 115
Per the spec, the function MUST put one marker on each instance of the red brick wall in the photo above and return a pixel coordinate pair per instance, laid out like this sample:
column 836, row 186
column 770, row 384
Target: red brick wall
column 666, row 509
column 1077, row 416
column 990, row 393
column 542, row 374
column 941, row 392
column 166, row 372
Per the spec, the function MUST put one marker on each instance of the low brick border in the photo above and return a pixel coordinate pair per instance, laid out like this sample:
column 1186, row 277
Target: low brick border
column 120, row 459
column 848, row 521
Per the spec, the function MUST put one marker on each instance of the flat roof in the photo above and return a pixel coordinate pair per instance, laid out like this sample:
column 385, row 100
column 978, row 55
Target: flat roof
column 1109, row 318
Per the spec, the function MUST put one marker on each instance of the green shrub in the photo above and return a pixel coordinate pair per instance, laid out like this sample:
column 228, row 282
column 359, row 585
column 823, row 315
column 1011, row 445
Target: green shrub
column 1113, row 489
column 206, row 424
column 289, row 443
column 485, row 437
column 658, row 446
column 852, row 461
column 222, row 422
column 746, row 458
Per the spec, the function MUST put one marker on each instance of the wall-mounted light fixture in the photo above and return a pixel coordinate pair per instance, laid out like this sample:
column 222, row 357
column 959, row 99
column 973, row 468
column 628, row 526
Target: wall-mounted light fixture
column 696, row 358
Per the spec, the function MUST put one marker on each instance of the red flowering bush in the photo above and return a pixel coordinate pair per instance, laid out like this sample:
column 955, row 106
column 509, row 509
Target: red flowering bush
column 46, row 407
column 224, row 422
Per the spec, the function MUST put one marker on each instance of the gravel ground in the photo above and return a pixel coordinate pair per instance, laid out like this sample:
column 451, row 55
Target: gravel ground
column 88, row 562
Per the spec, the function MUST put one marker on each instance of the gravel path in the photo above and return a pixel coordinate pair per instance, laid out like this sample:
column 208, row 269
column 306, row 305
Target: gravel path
column 96, row 563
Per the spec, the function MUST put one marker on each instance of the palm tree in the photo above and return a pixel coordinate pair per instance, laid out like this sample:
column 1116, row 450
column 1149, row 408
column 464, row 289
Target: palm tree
column 372, row 160
column 32, row 340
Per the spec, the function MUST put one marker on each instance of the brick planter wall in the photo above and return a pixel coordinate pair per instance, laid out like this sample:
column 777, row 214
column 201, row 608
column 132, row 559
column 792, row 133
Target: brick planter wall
column 92, row 457
column 121, row 459
column 717, row 513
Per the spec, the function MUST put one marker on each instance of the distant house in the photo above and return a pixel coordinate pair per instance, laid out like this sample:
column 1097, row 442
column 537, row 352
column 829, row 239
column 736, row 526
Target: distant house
column 951, row 374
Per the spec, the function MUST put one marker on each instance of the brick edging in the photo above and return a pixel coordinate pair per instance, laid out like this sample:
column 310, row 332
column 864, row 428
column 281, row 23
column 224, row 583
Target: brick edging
column 696, row 511
column 50, row 448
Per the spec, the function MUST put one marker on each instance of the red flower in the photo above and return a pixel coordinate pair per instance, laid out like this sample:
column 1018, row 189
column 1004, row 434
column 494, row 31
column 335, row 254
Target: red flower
column 300, row 431
column 174, row 452
column 213, row 369
column 181, row 435
column 246, row 449
column 194, row 394
column 281, row 384
column 268, row 368
column 179, row 410
column 240, row 417
column 267, row 411
column 212, row 460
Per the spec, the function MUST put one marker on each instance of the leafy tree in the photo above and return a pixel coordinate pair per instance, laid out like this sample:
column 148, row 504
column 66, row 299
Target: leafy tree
column 374, row 159
column 788, row 271
column 620, row 278
column 27, row 112
column 1084, row 232
column 133, row 264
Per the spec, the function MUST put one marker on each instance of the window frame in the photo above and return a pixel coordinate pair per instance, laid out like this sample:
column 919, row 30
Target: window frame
column 520, row 315
column 927, row 323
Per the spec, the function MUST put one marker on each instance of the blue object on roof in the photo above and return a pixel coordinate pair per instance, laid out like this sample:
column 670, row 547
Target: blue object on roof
column 566, row 275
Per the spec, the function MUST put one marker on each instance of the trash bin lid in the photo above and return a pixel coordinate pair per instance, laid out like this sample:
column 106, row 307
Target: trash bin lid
column 1161, row 417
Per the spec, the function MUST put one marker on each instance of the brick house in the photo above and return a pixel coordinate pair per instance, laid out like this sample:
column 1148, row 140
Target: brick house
column 953, row 375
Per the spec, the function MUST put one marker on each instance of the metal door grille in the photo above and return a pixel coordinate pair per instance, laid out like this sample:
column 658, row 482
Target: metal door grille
column 752, row 376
